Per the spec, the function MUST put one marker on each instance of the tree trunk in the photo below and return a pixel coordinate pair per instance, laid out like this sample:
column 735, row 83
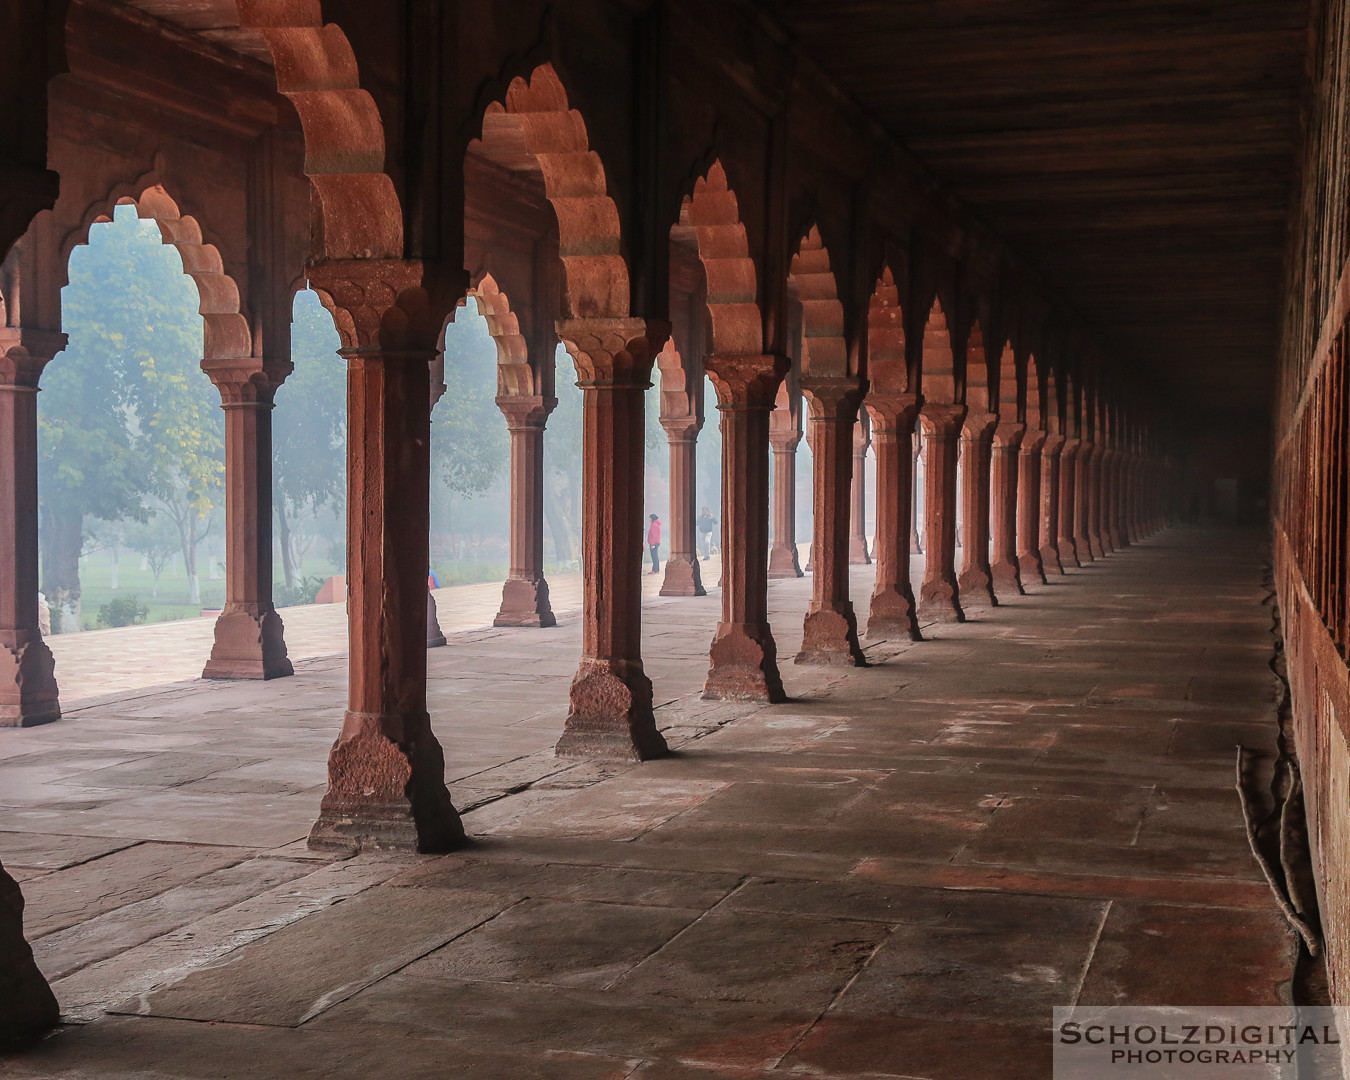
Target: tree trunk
column 557, row 527
column 190, row 561
column 61, row 541
column 284, row 537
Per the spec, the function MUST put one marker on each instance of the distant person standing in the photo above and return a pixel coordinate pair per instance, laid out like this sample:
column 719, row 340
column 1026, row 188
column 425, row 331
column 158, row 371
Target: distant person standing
column 654, row 542
column 705, row 529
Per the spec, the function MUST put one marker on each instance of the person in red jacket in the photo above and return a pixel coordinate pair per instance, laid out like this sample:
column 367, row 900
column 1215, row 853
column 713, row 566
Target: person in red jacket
column 654, row 542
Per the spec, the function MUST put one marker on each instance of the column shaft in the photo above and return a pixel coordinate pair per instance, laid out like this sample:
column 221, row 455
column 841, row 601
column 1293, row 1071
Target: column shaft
column 1029, row 563
column 830, row 631
column 682, row 571
column 939, row 595
column 611, row 696
column 1050, row 508
column 249, row 636
column 1003, row 567
column 744, row 656
column 783, row 559
column 525, row 599
column 892, row 612
column 976, row 583
column 915, row 543
column 1068, row 503
column 858, row 554
column 1084, row 496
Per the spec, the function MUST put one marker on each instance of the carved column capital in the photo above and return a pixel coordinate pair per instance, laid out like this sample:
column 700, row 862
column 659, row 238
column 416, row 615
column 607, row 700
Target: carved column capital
column 784, row 442
column 24, row 353
column 388, row 303
column 892, row 414
column 1069, row 449
column 1052, row 446
column 1009, row 434
column 613, row 352
column 246, row 380
column 978, row 426
column 680, row 429
column 943, row 420
column 833, row 398
column 526, row 412
column 1032, row 440
column 746, row 380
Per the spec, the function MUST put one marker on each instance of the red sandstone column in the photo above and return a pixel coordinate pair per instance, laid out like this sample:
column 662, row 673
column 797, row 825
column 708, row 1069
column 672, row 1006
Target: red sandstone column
column 525, row 593
column 386, row 772
column 939, row 595
column 976, row 583
column 682, row 572
column 1115, row 534
column 915, row 544
column 830, row 632
column 783, row 562
column 744, row 656
column 1099, row 515
column 611, row 696
column 857, row 537
column 28, row 693
column 892, row 612
column 1084, row 497
column 1003, row 568
column 249, row 641
column 1050, row 507
column 1029, row 564
column 1068, row 506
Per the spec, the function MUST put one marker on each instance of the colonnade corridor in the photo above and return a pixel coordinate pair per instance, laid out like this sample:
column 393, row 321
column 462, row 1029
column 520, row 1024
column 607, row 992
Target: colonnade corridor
column 895, row 873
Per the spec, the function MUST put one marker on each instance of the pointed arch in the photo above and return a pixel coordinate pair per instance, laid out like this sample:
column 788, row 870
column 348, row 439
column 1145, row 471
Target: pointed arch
column 1007, row 384
column 977, row 372
column 515, row 375
column 227, row 334
column 824, row 351
column 937, row 382
column 887, row 366
column 535, row 128
column 712, row 215
column 356, row 211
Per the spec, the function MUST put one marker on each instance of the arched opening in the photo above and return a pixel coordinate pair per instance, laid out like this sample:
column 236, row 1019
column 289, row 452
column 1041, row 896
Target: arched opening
column 130, row 430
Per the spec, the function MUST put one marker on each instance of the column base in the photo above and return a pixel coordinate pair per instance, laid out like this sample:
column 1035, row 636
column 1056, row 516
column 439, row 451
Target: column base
column 744, row 665
column 682, row 577
column 28, row 1008
column 892, row 614
column 1068, row 553
column 385, row 795
column 939, row 601
column 915, row 548
column 1086, row 554
column 1096, row 548
column 857, row 552
column 830, row 637
column 1030, row 569
column 1050, row 562
column 248, row 646
column 1007, row 578
column 611, row 714
column 435, row 635
column 525, row 602
column 783, row 562
column 28, row 692
column 976, row 589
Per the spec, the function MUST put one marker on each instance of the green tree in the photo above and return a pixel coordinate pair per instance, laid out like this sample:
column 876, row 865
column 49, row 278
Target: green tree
column 127, row 303
column 309, row 429
column 470, row 444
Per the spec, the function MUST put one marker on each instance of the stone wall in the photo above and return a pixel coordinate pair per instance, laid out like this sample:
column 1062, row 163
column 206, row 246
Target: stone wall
column 1310, row 495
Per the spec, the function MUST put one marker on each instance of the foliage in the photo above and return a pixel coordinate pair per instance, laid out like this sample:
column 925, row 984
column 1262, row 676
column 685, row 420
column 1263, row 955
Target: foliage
column 122, row 611
column 470, row 444
column 302, row 592
column 154, row 540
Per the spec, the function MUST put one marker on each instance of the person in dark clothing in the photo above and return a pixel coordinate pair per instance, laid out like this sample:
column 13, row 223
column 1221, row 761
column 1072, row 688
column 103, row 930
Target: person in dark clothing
column 705, row 530
column 654, row 542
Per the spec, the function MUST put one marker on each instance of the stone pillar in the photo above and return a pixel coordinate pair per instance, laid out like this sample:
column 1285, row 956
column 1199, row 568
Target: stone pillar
column 28, row 693
column 1003, row 567
column 1120, row 523
column 386, row 772
column 783, row 560
column 1029, row 564
column 892, row 612
column 682, row 572
column 249, row 641
column 857, row 537
column 1098, row 532
column 611, row 697
column 976, row 583
column 29, row 1007
column 525, row 593
column 1050, row 508
column 1068, row 507
column 830, row 632
column 744, row 657
column 915, row 544
column 1084, row 496
column 939, row 595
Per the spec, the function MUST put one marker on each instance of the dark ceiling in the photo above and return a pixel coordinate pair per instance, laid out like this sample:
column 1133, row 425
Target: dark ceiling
column 1138, row 153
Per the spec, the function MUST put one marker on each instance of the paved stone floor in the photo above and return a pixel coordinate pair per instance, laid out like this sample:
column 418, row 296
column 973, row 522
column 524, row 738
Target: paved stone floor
column 896, row 874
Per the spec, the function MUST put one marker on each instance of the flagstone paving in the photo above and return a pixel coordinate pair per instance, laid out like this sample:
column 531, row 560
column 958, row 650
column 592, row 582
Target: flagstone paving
column 896, row 874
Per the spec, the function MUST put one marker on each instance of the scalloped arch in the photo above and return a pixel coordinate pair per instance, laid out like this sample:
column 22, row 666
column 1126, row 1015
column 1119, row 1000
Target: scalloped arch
column 824, row 350
column 713, row 214
column 977, row 371
column 938, row 381
column 1007, row 384
column 887, row 365
column 515, row 374
column 1033, row 413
